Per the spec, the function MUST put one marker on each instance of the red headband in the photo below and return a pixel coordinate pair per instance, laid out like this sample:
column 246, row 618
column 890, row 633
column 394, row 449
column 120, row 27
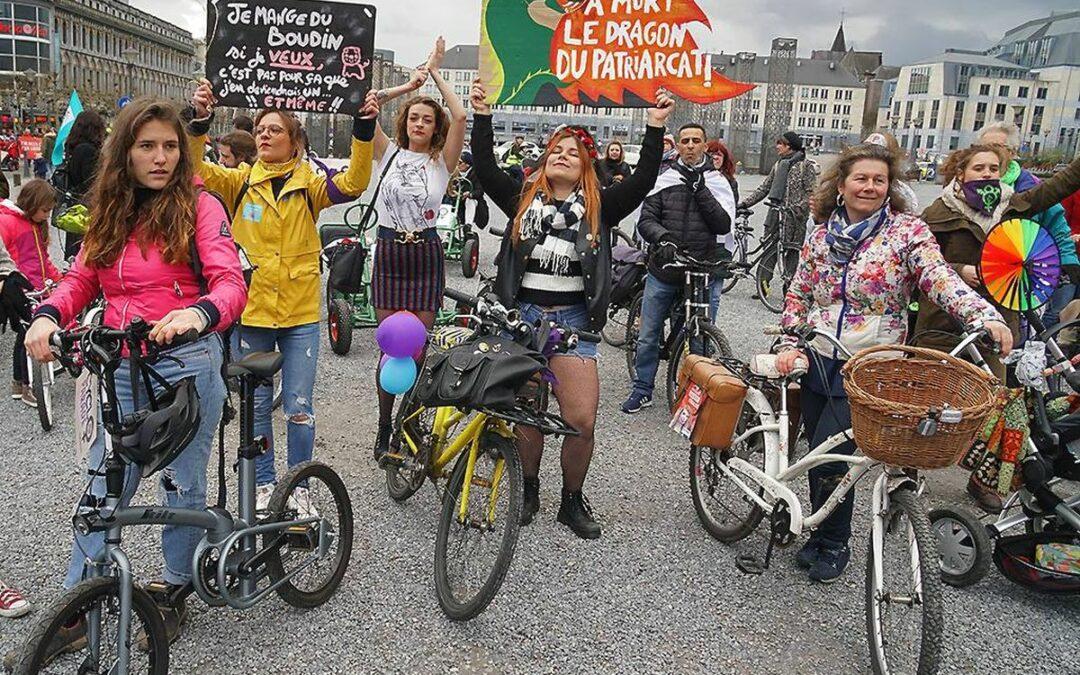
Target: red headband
column 582, row 135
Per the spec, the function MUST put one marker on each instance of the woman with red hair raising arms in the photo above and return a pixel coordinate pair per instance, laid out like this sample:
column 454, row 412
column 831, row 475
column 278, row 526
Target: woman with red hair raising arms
column 555, row 263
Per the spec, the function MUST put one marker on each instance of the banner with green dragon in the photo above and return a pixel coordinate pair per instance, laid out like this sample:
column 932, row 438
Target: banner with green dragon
column 600, row 53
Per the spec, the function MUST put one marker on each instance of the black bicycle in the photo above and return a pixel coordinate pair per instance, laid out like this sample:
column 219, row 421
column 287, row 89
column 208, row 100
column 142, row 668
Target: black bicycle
column 306, row 533
column 779, row 245
column 691, row 331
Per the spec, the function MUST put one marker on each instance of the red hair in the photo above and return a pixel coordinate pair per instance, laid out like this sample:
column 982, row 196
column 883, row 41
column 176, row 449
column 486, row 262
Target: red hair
column 589, row 185
column 727, row 164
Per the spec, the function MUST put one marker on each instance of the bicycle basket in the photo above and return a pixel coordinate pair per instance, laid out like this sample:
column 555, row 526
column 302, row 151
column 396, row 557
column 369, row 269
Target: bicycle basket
column 893, row 388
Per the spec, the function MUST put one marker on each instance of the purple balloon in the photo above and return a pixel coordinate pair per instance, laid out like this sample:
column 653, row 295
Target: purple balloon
column 401, row 335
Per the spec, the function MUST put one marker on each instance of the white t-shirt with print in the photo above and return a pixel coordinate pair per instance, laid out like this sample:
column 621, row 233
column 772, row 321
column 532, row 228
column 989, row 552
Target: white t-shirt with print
column 412, row 190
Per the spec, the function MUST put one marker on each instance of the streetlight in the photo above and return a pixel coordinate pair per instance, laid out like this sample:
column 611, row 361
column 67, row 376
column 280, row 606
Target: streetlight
column 130, row 54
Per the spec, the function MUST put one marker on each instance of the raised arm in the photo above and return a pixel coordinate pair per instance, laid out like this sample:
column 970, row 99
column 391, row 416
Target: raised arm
column 622, row 198
column 455, row 136
column 382, row 141
column 1052, row 191
column 762, row 191
column 347, row 186
column 500, row 186
column 222, row 180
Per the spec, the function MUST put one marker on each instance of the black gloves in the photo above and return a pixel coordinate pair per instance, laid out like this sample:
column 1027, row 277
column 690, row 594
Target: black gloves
column 14, row 307
column 692, row 178
column 663, row 253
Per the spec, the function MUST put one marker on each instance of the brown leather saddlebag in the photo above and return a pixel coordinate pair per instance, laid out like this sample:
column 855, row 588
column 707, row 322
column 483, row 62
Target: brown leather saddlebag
column 724, row 396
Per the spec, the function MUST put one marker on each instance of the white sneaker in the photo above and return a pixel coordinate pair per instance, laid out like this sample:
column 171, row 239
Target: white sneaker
column 262, row 496
column 302, row 499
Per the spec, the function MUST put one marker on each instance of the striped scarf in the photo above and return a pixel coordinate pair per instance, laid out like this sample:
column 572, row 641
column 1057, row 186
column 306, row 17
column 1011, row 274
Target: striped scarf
column 543, row 219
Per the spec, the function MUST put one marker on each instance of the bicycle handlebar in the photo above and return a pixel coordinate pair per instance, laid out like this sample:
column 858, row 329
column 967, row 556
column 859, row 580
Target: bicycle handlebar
column 104, row 344
column 488, row 306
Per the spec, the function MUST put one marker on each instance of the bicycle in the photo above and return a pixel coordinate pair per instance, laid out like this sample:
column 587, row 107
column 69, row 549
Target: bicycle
column 741, row 232
column 482, row 497
column 692, row 332
column 460, row 243
column 778, row 244
column 734, row 489
column 628, row 282
column 228, row 567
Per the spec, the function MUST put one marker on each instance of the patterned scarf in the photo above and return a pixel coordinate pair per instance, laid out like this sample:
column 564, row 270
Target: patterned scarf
column 844, row 238
column 543, row 219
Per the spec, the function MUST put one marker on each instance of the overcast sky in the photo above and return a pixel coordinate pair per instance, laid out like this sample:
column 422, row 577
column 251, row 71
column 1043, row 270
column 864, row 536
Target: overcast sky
column 906, row 30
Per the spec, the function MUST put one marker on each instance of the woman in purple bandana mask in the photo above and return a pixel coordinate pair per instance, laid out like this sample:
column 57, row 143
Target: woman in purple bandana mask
column 972, row 201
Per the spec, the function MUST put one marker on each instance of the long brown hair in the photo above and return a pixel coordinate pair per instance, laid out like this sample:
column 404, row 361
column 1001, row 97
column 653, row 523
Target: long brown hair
column 167, row 220
column 829, row 187
column 957, row 161
column 442, row 124
column 589, row 184
column 37, row 194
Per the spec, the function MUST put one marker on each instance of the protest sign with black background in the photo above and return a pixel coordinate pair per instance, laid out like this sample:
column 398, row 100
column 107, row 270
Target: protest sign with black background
column 290, row 54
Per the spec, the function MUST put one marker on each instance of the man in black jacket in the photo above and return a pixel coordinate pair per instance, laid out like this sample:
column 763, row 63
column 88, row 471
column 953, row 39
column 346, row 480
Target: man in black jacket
column 689, row 210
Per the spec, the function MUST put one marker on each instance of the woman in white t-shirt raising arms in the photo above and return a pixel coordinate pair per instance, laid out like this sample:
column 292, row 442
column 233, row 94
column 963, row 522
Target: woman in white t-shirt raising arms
column 415, row 165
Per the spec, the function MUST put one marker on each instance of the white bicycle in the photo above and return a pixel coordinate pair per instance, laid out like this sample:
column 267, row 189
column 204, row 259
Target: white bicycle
column 735, row 488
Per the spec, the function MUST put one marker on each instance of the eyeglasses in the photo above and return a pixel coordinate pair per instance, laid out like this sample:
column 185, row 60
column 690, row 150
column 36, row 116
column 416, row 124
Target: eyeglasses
column 272, row 129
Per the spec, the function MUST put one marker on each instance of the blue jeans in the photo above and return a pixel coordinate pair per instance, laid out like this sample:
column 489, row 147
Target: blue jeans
column 183, row 482
column 300, row 347
column 1062, row 296
column 656, row 307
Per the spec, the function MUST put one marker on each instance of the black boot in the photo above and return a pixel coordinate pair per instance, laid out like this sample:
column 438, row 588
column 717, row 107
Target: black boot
column 171, row 600
column 382, row 441
column 531, row 503
column 576, row 514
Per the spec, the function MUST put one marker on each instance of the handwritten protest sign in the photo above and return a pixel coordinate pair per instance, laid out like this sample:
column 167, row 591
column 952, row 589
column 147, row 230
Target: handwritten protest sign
column 290, row 54
column 604, row 53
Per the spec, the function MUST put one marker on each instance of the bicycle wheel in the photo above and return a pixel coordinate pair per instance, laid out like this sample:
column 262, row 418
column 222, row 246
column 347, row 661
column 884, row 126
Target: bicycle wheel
column 42, row 386
column 404, row 481
column 739, row 256
column 770, row 293
column 310, row 490
column 633, row 326
column 725, row 511
column 92, row 609
column 614, row 331
column 963, row 545
column 903, row 591
column 473, row 553
column 713, row 343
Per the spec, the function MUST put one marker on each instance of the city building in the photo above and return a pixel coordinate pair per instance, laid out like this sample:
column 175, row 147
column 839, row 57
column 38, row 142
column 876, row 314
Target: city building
column 1030, row 77
column 27, row 63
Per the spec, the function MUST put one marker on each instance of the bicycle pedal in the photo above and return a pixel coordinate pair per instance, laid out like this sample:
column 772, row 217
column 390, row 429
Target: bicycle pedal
column 748, row 564
column 392, row 460
column 302, row 537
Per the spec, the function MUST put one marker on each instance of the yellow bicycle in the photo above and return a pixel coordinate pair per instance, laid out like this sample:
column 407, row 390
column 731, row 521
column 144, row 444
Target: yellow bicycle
column 481, row 502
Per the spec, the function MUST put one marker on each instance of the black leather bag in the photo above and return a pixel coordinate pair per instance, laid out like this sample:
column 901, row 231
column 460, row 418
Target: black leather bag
column 485, row 372
column 347, row 266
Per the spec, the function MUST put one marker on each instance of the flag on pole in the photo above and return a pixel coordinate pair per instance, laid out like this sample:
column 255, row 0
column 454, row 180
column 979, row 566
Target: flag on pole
column 73, row 110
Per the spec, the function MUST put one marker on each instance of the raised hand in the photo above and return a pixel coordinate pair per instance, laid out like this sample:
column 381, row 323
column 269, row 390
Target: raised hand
column 371, row 106
column 435, row 59
column 665, row 105
column 202, row 99
column 478, row 98
column 419, row 77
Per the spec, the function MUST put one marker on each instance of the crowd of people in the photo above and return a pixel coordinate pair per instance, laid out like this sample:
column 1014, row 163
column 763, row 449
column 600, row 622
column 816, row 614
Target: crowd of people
column 162, row 194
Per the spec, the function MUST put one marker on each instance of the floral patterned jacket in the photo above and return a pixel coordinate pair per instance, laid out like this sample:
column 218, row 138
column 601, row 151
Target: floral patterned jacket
column 864, row 303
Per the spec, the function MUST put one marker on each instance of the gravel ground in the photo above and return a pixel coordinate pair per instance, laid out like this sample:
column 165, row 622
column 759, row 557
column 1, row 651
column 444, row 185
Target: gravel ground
column 654, row 594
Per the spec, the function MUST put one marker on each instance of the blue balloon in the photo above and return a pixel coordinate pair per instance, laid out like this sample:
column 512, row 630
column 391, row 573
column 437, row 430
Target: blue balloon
column 397, row 375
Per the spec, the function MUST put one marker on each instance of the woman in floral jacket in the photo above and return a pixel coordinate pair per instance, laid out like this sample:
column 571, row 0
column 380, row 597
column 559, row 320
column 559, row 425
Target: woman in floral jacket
column 855, row 279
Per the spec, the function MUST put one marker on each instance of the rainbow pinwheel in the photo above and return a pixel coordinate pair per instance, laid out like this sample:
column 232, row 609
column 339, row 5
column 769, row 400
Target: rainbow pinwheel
column 1020, row 264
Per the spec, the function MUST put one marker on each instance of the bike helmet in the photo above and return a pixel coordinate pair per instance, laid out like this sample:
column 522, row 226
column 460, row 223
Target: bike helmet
column 156, row 437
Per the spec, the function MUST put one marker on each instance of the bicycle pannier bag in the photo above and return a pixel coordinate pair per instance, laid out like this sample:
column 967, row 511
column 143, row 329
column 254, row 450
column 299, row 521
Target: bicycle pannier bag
column 347, row 266
column 724, row 396
column 485, row 372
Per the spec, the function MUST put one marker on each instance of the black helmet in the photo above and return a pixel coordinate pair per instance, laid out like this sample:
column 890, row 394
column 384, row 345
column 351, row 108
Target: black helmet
column 157, row 437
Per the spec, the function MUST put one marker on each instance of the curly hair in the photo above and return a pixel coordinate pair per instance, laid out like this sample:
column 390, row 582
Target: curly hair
column 167, row 220
column 442, row 124
column 825, row 199
column 957, row 162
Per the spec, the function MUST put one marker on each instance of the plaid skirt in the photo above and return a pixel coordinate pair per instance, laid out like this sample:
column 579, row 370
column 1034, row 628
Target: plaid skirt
column 408, row 276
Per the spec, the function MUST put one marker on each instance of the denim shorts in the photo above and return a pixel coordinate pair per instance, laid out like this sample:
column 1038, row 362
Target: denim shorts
column 575, row 316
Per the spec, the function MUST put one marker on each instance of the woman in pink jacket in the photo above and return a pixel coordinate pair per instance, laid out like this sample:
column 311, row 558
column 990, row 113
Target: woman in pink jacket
column 147, row 216
column 24, row 228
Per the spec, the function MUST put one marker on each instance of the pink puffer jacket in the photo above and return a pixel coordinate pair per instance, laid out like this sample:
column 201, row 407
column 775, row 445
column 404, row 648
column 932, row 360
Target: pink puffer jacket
column 26, row 246
column 149, row 288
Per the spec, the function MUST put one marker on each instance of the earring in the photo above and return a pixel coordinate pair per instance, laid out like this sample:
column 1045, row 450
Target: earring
column 840, row 199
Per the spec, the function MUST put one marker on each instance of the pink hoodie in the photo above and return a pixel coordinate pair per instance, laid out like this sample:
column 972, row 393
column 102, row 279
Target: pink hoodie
column 149, row 288
column 26, row 246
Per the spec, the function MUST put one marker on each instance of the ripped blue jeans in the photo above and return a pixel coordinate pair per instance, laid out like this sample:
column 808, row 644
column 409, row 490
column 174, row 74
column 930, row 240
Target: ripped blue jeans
column 300, row 347
column 183, row 482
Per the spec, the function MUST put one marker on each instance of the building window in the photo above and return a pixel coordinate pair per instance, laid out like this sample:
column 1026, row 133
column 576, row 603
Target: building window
column 847, row 95
column 1022, row 92
column 934, row 114
column 980, row 108
column 978, row 125
column 954, row 143
column 919, row 82
column 836, row 124
column 984, row 90
column 1003, row 90
column 999, row 111
column 1040, row 93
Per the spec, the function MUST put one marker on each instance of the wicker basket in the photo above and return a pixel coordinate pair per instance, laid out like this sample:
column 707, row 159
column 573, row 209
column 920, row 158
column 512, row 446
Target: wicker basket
column 891, row 389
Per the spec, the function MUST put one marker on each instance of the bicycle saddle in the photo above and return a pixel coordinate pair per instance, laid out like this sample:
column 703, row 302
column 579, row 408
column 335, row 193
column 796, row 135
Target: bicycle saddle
column 259, row 364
